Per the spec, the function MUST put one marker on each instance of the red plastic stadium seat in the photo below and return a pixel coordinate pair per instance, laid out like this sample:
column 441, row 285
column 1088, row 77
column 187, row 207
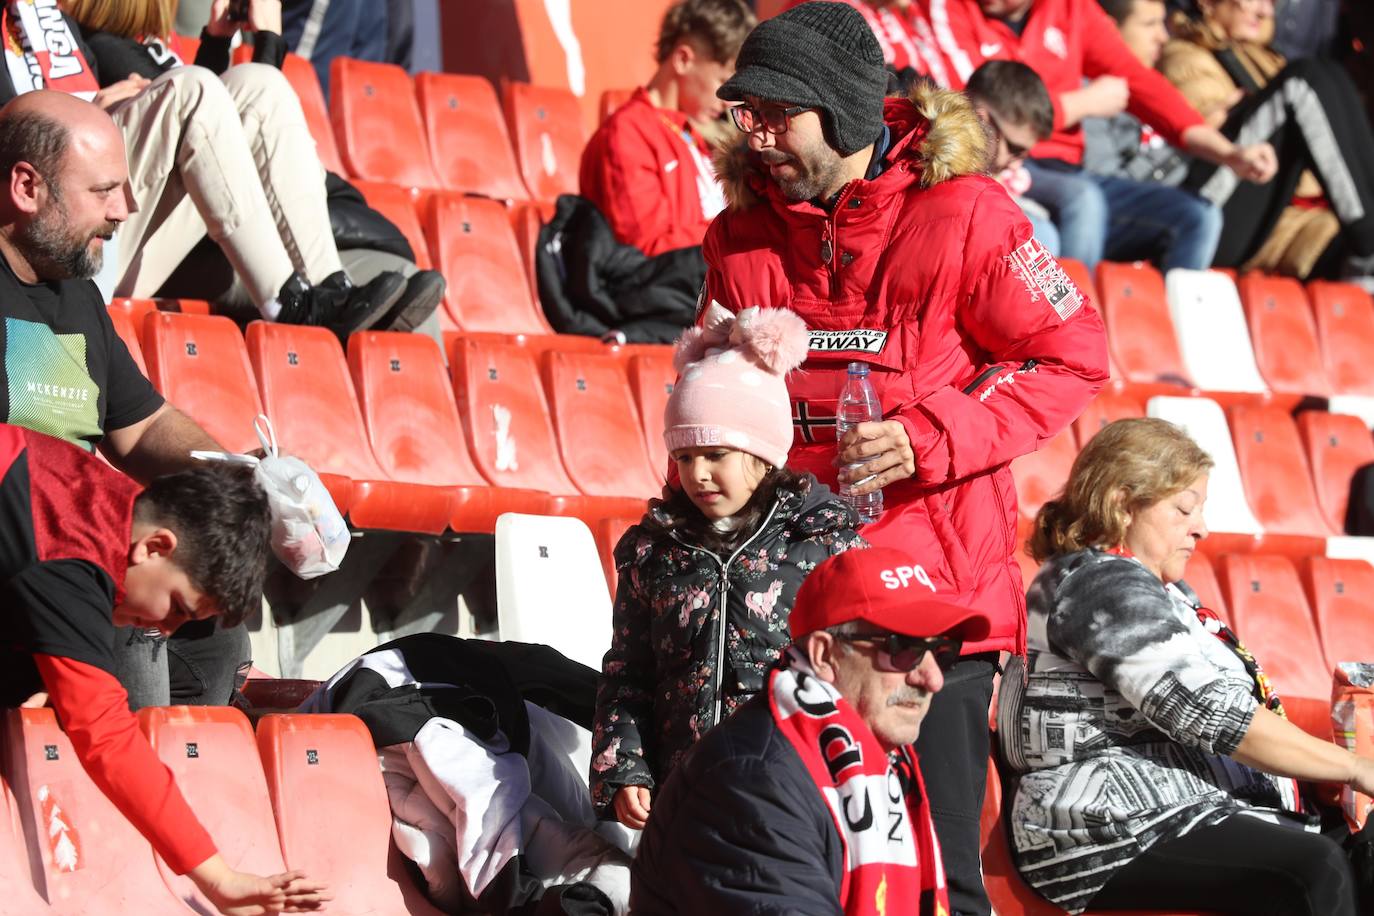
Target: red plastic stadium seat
column 398, row 205
column 1203, row 578
column 1345, row 326
column 527, row 219
column 652, row 377
column 1284, row 335
column 91, row 859
column 332, row 813
column 16, row 883
column 303, row 79
column 611, row 100
column 124, row 326
column 1271, row 616
column 468, row 142
column 1042, row 474
column 1108, row 407
column 377, row 121
column 413, row 426
column 309, row 396
column 546, row 124
column 278, row 692
column 477, row 252
column 1273, row 468
column 1338, row 445
column 1342, row 597
column 1140, row 333
column 591, row 403
column 608, row 532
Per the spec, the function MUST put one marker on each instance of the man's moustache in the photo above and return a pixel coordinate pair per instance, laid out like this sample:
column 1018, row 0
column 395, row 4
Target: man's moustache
column 774, row 157
column 907, row 695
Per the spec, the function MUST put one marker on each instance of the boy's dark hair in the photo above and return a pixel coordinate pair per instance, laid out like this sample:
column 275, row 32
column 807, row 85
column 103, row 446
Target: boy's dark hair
column 220, row 516
column 686, row 519
column 720, row 25
column 1118, row 9
column 1014, row 92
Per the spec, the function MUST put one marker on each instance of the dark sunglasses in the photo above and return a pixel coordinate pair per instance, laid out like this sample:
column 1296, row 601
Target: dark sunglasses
column 904, row 653
column 773, row 118
column 1014, row 150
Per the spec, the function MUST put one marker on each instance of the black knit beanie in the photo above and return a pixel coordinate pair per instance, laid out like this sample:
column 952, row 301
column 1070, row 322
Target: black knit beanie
column 820, row 55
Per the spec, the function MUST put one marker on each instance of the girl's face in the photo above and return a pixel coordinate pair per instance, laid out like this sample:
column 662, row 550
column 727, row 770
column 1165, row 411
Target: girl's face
column 719, row 481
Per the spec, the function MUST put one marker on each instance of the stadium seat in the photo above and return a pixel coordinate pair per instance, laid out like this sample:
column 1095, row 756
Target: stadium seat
column 1284, row 336
column 1140, row 333
column 652, row 377
column 303, row 79
column 608, row 532
column 412, row 424
column 1041, row 475
column 1345, row 326
column 1202, row 577
column 214, row 758
column 332, row 812
column 546, row 124
column 1227, row 509
column 1210, row 325
column 91, row 860
column 1356, row 405
column 1273, row 468
column 611, row 100
column 305, row 386
column 398, row 205
column 1337, row 446
column 16, row 882
column 1341, row 593
column 377, row 122
column 468, row 141
column 125, row 326
column 527, row 219
column 1107, row 407
column 200, row 364
column 475, row 247
column 1270, row 615
column 597, row 424
column 278, row 693
column 1083, row 278
column 1030, row 568
column 551, row 586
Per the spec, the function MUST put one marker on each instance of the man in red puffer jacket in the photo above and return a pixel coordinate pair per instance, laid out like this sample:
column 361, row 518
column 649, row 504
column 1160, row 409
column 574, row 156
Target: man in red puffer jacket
column 875, row 222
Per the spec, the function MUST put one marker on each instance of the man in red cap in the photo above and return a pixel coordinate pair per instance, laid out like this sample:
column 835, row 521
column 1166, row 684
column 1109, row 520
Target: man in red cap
column 810, row 799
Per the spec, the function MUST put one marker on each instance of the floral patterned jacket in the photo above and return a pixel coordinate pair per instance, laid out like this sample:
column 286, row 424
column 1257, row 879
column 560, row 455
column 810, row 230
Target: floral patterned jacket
column 676, row 665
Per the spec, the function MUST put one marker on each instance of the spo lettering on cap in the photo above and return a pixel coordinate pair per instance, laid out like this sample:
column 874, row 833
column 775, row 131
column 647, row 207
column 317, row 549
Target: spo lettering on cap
column 901, row 577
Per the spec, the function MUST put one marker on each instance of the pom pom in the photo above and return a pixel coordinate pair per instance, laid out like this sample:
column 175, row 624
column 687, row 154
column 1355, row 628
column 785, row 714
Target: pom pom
column 690, row 348
column 776, row 338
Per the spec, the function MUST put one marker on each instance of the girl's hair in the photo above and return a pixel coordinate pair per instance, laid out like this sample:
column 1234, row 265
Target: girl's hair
column 1128, row 466
column 126, row 18
column 685, row 519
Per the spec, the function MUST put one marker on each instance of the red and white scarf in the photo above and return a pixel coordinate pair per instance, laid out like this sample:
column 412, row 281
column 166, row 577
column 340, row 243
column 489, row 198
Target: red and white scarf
column 41, row 52
column 877, row 801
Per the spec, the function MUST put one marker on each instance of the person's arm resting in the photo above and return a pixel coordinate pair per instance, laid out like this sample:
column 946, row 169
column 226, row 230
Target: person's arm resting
column 158, row 444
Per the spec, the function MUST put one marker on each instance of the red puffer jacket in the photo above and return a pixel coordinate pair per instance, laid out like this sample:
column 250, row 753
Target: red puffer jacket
column 979, row 343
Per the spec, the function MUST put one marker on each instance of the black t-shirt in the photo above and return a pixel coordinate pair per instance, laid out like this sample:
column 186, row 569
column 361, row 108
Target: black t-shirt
column 66, row 371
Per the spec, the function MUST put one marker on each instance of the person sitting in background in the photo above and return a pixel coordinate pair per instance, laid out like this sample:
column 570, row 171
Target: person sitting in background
column 648, row 167
column 1311, row 112
column 907, row 39
column 1154, row 767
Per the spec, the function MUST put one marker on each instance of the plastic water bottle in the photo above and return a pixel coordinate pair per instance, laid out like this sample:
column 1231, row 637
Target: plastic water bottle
column 859, row 404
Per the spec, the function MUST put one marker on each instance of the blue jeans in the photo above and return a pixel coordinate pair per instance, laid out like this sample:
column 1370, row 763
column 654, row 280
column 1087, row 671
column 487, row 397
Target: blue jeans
column 200, row 665
column 342, row 28
column 1041, row 224
column 1103, row 216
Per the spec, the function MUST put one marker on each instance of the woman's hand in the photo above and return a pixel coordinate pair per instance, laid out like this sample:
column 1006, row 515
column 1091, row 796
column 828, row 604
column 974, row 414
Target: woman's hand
column 236, row 893
column 632, row 806
column 885, row 449
column 121, row 91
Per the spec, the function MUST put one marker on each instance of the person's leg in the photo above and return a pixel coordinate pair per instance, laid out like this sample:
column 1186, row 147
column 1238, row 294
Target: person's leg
column 415, row 310
column 953, row 751
column 206, row 664
column 1077, row 206
column 1242, row 865
column 141, row 666
column 1147, row 221
column 321, row 30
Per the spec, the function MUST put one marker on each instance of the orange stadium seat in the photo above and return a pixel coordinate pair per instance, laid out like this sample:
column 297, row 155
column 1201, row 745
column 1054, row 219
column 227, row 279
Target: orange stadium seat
column 1273, row 467
column 124, row 326
column 1342, row 596
column 1203, row 578
column 200, row 364
column 332, row 812
column 611, row 100
column 1030, row 568
column 1284, row 335
column 1338, row 445
column 16, row 883
column 377, row 122
column 413, row 426
column 1083, row 278
column 1270, row 615
column 591, row 402
column 652, row 377
column 309, row 396
column 546, row 124
column 1041, row 475
column 1107, row 407
column 303, row 79
column 398, row 205
column 527, row 219
column 477, row 252
column 1345, row 325
column 1140, row 333
column 608, row 532
column 468, row 141
column 214, row 758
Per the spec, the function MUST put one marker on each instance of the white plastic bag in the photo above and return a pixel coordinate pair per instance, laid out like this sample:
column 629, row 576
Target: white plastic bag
column 309, row 534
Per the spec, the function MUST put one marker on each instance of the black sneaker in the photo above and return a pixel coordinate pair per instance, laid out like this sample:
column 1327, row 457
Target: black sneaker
column 423, row 293
column 337, row 304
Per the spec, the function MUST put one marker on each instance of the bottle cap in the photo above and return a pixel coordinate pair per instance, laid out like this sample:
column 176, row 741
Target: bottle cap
column 858, row 368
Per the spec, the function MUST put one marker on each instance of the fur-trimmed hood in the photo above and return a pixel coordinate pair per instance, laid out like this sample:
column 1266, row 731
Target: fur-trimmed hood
column 936, row 127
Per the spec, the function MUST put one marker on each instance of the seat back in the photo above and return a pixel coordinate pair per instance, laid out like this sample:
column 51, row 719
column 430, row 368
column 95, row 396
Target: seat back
column 1108, row 407
column 597, row 424
column 1284, row 335
column 1212, row 334
column 550, row 586
column 610, row 101
column 124, row 327
column 200, row 364
column 608, row 532
column 1344, row 316
column 1040, row 475
column 546, row 124
column 398, row 205
column 475, row 246
column 1337, row 445
column 1273, row 468
column 16, row 880
column 1202, row 418
column 652, row 378
column 306, row 82
column 468, row 142
column 1341, row 593
column 377, row 122
column 1140, row 333
column 408, row 409
column 1007, row 891
column 332, row 813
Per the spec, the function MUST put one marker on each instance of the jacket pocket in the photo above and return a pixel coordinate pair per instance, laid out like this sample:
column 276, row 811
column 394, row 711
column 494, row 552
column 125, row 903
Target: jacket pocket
column 939, row 507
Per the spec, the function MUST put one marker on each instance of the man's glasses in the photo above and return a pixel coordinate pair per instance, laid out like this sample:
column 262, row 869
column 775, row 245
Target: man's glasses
column 1014, row 150
column 772, row 118
column 904, row 653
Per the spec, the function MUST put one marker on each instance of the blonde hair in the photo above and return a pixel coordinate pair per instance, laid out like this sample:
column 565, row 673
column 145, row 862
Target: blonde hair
column 126, row 18
column 1128, row 466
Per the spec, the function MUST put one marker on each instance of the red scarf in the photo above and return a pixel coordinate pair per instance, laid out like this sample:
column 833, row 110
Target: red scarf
column 877, row 801
column 41, row 52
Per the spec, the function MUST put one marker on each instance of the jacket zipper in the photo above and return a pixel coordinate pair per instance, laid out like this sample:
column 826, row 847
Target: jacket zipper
column 989, row 372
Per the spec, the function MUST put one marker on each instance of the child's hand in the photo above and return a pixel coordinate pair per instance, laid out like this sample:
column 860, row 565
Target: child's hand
column 632, row 806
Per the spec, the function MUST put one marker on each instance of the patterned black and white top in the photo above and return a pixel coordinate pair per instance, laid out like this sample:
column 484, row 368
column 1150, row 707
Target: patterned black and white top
column 1120, row 735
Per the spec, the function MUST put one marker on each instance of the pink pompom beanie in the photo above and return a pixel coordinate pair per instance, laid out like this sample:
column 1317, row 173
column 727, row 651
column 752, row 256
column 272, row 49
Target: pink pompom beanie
column 730, row 390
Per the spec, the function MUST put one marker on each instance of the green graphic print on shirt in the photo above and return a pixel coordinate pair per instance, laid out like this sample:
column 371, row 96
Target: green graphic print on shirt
column 50, row 386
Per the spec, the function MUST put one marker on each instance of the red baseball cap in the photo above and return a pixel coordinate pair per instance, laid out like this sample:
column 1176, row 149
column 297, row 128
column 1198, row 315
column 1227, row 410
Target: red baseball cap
column 886, row 588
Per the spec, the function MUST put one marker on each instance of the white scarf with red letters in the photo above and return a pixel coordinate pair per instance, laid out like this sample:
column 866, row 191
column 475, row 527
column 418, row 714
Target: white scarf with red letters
column 41, row 52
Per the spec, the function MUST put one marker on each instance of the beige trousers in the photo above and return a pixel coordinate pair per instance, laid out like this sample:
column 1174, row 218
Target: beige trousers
column 231, row 157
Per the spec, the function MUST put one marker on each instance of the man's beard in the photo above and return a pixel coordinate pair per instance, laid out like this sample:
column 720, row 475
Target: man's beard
column 811, row 181
column 55, row 252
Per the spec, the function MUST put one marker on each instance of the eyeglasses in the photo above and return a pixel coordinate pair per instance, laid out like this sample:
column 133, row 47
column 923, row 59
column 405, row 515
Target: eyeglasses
column 773, row 118
column 905, row 653
column 1014, row 150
